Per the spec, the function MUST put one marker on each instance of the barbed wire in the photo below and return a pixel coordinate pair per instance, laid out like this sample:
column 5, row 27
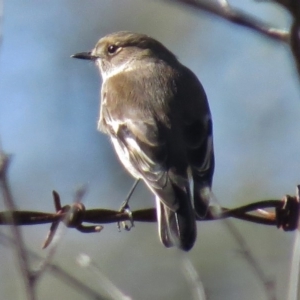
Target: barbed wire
column 285, row 215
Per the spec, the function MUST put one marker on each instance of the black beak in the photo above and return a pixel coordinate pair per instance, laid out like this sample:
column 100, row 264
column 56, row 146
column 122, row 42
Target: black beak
column 84, row 55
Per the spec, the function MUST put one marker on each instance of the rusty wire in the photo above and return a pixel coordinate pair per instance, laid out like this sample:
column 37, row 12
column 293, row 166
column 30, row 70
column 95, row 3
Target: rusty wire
column 285, row 215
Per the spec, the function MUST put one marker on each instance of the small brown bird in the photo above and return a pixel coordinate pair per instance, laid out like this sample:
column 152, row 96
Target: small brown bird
column 156, row 113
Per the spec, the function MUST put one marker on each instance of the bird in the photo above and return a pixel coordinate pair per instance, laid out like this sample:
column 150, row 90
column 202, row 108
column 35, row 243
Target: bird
column 156, row 113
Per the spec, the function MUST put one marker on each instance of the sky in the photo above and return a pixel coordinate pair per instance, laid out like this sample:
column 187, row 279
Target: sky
column 49, row 105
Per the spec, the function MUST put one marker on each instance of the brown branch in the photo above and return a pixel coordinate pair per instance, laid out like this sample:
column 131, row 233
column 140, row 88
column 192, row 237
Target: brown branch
column 293, row 7
column 237, row 17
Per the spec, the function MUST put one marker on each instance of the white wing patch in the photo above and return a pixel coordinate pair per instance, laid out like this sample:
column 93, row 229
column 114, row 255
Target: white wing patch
column 124, row 157
column 115, row 125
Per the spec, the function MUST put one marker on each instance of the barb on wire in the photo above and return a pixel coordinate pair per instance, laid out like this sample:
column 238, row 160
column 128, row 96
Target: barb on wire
column 284, row 216
column 71, row 215
column 45, row 263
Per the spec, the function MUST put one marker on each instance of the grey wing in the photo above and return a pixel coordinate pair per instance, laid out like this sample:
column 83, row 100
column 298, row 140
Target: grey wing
column 144, row 154
column 149, row 148
column 148, row 156
column 137, row 135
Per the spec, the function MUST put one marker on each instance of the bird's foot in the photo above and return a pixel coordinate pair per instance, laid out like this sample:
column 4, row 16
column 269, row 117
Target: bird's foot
column 126, row 209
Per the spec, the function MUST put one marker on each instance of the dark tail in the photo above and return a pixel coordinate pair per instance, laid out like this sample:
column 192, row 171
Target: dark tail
column 177, row 228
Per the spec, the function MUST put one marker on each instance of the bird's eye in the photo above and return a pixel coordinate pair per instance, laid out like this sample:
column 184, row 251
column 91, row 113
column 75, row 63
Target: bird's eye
column 112, row 49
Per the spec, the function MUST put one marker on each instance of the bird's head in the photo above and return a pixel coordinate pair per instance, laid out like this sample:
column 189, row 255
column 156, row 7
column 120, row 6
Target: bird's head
column 125, row 50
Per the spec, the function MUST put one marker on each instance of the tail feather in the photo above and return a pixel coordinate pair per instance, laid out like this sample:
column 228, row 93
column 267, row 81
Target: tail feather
column 163, row 228
column 178, row 227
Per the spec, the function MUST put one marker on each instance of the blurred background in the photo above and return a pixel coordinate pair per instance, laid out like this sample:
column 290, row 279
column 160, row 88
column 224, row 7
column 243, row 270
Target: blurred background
column 48, row 113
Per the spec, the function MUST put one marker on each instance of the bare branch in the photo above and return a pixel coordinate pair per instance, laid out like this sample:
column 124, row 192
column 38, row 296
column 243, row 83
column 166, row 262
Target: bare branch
column 194, row 280
column 10, row 217
column 85, row 261
column 58, row 272
column 269, row 285
column 237, row 17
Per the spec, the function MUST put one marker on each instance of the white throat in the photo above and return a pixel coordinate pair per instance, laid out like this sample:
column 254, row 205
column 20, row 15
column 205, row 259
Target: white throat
column 125, row 67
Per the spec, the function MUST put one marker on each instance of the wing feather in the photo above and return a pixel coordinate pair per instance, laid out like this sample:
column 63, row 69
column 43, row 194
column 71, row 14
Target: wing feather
column 160, row 128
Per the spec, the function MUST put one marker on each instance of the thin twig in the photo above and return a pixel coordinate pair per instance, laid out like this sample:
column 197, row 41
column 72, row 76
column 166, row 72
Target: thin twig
column 58, row 272
column 115, row 293
column 193, row 279
column 237, row 17
column 20, row 248
column 9, row 203
column 269, row 285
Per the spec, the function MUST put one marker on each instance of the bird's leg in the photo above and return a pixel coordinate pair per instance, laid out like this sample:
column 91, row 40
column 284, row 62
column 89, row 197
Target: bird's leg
column 125, row 208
